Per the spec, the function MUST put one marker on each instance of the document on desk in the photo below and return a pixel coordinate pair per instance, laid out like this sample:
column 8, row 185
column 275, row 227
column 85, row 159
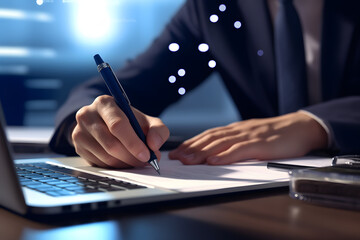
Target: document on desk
column 191, row 178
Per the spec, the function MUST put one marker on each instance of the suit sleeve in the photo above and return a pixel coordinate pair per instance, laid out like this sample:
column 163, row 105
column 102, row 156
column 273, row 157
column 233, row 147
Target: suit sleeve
column 342, row 116
column 146, row 78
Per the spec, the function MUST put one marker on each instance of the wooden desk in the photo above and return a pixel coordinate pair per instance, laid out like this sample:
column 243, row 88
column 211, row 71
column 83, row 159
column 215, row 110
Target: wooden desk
column 268, row 214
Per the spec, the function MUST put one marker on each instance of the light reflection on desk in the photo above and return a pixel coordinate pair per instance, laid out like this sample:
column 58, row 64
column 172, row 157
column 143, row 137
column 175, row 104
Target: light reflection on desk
column 100, row 230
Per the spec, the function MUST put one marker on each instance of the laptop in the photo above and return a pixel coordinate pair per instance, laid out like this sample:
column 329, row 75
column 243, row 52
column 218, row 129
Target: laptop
column 46, row 186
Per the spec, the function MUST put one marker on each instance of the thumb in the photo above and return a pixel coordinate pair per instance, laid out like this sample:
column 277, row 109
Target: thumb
column 157, row 133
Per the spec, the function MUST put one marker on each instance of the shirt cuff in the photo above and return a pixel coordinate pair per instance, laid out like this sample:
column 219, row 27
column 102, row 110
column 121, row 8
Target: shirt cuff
column 324, row 126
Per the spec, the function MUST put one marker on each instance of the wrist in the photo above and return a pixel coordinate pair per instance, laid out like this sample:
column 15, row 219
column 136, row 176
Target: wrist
column 314, row 131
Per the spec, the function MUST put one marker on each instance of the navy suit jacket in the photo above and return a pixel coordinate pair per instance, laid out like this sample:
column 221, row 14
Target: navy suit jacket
column 249, row 78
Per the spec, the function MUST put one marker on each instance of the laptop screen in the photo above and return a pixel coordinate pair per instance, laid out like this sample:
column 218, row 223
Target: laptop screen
column 11, row 195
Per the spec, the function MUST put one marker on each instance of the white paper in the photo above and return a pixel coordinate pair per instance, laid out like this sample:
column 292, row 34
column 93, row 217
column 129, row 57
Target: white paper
column 189, row 178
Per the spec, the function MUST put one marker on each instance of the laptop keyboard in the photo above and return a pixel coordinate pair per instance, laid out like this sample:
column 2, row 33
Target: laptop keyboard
column 59, row 181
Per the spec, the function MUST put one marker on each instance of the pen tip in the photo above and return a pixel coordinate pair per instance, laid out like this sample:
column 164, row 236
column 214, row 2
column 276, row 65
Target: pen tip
column 155, row 165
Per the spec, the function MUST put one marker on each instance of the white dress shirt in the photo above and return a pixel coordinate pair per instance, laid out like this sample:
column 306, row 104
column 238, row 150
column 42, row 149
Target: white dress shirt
column 311, row 14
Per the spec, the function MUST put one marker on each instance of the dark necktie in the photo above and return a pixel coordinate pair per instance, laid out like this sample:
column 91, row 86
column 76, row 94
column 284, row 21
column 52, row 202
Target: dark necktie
column 290, row 59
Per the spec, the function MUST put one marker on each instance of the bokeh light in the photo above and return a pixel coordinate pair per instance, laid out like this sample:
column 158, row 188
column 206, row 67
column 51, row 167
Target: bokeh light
column 181, row 72
column 222, row 8
column 237, row 24
column 172, row 79
column 212, row 64
column 203, row 47
column 39, row 2
column 174, row 47
column 214, row 18
column 181, row 91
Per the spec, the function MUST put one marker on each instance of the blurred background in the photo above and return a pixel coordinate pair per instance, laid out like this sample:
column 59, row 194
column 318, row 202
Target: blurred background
column 46, row 48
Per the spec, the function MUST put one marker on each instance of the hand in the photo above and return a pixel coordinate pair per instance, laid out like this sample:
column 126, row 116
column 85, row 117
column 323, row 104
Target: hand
column 290, row 135
column 104, row 137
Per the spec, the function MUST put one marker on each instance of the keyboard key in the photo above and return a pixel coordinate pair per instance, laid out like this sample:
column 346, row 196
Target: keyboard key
column 59, row 181
column 74, row 188
column 66, row 185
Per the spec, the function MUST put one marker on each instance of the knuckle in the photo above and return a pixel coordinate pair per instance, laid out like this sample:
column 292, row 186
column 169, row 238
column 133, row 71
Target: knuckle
column 157, row 123
column 210, row 137
column 225, row 140
column 209, row 131
column 82, row 114
column 77, row 134
column 257, row 135
column 167, row 132
column 103, row 100
column 116, row 125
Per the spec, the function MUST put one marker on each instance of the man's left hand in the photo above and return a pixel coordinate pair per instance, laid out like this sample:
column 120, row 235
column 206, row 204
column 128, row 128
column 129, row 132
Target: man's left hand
column 291, row 135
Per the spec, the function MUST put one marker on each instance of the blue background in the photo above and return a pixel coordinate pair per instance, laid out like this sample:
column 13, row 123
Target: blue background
column 46, row 48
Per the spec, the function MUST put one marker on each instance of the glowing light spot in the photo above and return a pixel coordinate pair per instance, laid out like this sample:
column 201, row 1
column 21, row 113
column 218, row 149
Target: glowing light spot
column 222, row 8
column 214, row 18
column 181, row 91
column 212, row 63
column 174, row 47
column 25, row 15
column 172, row 79
column 203, row 47
column 27, row 52
column 260, row 52
column 39, row 2
column 237, row 24
column 89, row 29
column 181, row 72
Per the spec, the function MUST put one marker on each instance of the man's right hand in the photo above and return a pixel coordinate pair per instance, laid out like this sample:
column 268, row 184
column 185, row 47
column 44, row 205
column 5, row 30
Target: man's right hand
column 104, row 137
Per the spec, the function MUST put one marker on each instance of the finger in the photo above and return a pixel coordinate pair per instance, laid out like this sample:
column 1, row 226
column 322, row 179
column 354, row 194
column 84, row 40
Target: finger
column 124, row 160
column 157, row 134
column 238, row 152
column 196, row 138
column 84, row 142
column 209, row 142
column 80, row 141
column 213, row 148
column 92, row 159
column 102, row 155
column 92, row 131
column 119, row 126
column 112, row 146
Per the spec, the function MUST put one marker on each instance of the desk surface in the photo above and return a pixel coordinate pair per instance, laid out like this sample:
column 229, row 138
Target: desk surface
column 266, row 214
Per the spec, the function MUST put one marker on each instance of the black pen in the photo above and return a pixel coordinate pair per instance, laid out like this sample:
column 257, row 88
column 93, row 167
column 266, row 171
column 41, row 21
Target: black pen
column 285, row 167
column 121, row 99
